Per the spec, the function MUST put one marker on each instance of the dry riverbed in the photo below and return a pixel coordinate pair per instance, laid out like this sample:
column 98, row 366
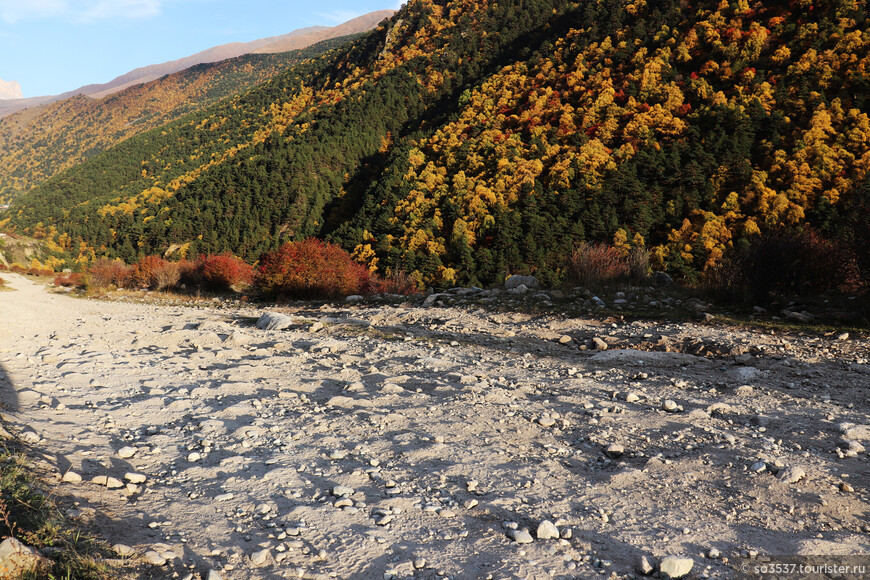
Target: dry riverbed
column 370, row 441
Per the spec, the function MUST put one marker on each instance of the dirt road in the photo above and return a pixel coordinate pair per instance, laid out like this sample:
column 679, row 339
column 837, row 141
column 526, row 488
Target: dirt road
column 367, row 440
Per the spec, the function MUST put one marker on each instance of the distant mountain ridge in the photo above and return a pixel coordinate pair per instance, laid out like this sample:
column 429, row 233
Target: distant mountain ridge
column 295, row 40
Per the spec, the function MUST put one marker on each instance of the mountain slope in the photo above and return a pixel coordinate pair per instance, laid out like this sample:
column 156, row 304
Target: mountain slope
column 296, row 40
column 36, row 144
column 464, row 140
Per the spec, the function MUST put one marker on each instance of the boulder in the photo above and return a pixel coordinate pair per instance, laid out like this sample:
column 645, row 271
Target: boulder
column 274, row 321
column 18, row 560
column 516, row 280
column 675, row 567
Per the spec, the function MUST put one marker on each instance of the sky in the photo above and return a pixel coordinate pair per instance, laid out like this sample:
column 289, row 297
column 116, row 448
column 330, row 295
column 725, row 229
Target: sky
column 54, row 46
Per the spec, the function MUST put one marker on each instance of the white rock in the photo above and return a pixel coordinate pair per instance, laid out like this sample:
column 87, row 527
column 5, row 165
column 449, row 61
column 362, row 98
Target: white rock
column 135, row 477
column 675, row 567
column 274, row 321
column 71, row 477
column 520, row 536
column 547, row 530
column 154, row 558
column 127, row 452
column 261, row 558
column 792, row 475
column 18, row 560
column 342, row 491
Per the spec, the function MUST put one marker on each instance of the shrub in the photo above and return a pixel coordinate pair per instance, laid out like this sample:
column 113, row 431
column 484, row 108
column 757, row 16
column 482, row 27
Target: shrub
column 638, row 264
column 312, row 269
column 155, row 273
column 73, row 280
column 785, row 263
column 399, row 283
column 222, row 272
column 105, row 273
column 596, row 264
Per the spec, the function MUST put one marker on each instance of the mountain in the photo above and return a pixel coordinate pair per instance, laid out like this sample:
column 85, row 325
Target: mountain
column 38, row 143
column 9, row 90
column 462, row 141
column 295, row 40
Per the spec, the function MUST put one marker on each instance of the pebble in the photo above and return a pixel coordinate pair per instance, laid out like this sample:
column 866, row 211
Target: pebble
column 614, row 450
column 110, row 482
column 224, row 497
column 470, row 504
column 419, row 563
column 154, row 558
column 547, row 530
column 260, row 558
column 194, row 457
column 135, row 477
column 214, row 575
column 565, row 339
column 546, row 421
column 447, row 513
column 520, row 536
column 670, row 406
column 342, row 491
column 632, row 398
column 792, row 475
column 123, row 550
column 758, row 467
column 713, row 553
column 71, row 477
column 599, row 344
column 127, row 452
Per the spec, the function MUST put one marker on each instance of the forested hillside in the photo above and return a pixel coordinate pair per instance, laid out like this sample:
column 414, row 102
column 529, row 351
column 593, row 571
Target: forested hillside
column 37, row 144
column 463, row 140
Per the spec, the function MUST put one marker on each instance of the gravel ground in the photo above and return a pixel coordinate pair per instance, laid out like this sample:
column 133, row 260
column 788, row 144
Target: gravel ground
column 373, row 441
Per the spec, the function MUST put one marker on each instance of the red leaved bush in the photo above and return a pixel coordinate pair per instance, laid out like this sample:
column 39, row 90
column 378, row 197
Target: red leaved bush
column 73, row 280
column 222, row 272
column 104, row 273
column 596, row 264
column 155, row 273
column 313, row 269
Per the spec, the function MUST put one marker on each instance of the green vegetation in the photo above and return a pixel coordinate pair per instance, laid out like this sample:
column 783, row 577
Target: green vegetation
column 29, row 513
column 35, row 145
column 464, row 140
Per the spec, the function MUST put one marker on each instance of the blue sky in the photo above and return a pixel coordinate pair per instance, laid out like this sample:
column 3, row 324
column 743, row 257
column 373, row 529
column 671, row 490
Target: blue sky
column 53, row 46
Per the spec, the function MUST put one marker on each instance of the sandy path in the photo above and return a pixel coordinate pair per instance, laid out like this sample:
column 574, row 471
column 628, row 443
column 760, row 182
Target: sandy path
column 409, row 441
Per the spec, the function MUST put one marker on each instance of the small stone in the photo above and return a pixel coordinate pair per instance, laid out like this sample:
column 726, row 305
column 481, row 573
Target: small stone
column 614, row 450
column 419, row 563
column 599, row 344
column 123, row 550
column 846, row 487
column 546, row 421
column 447, row 513
column 547, row 530
column 343, row 502
column 322, row 555
column 675, row 567
column 713, row 554
column 758, row 467
column 644, row 566
column 194, row 457
column 670, row 406
column 135, row 477
column 214, row 575
column 843, row 336
column 632, row 398
column 520, row 536
column 565, row 339
column 470, row 504
column 127, row 452
column 71, row 477
column 338, row 454
column 792, row 475
column 342, row 491
column 261, row 558
column 439, row 439
column 154, row 558
column 315, row 327
column 224, row 497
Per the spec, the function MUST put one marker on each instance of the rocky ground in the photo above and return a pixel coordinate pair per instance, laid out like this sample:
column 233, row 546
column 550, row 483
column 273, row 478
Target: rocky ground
column 445, row 438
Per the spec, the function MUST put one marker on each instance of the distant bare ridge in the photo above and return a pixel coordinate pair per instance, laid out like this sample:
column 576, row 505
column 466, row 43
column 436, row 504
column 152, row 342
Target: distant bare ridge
column 295, row 40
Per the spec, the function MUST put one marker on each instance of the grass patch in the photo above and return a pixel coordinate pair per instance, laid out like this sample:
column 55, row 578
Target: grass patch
column 29, row 512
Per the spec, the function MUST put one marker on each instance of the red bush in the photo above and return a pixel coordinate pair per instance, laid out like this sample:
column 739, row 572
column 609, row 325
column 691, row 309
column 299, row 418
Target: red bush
column 222, row 272
column 155, row 273
column 74, row 280
column 312, row 269
column 104, row 273
column 399, row 283
column 596, row 264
